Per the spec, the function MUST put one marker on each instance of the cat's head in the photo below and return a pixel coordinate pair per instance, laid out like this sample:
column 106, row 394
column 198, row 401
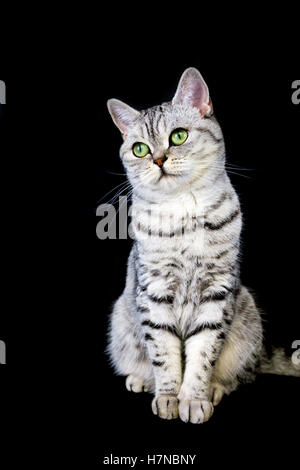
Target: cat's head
column 170, row 148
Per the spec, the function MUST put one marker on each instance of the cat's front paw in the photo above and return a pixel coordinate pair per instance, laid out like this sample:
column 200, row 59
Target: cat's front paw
column 136, row 384
column 195, row 411
column 165, row 406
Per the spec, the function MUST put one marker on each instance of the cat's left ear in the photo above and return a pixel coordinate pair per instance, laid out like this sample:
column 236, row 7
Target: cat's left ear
column 192, row 91
column 123, row 115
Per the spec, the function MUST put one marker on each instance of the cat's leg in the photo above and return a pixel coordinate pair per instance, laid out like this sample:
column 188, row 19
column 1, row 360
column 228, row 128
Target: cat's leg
column 126, row 346
column 203, row 342
column 241, row 351
column 202, row 345
column 164, row 346
column 127, row 350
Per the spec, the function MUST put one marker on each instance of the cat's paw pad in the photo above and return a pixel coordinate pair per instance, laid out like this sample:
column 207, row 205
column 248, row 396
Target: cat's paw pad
column 135, row 384
column 195, row 411
column 165, row 406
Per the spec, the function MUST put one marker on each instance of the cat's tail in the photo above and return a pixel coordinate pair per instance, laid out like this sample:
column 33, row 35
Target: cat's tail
column 278, row 362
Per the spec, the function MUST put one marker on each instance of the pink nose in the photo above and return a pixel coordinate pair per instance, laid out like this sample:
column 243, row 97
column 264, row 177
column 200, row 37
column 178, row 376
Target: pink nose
column 160, row 161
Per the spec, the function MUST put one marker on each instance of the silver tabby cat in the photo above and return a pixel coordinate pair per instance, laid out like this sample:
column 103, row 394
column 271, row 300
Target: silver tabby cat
column 184, row 328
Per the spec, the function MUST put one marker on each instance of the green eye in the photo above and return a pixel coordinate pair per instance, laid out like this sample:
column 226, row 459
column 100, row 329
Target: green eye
column 178, row 136
column 140, row 150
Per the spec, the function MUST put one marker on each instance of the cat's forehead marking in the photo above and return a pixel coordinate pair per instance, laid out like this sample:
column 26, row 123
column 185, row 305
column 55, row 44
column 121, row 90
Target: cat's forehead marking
column 154, row 121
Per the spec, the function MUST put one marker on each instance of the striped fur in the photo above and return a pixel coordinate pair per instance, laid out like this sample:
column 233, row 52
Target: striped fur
column 184, row 328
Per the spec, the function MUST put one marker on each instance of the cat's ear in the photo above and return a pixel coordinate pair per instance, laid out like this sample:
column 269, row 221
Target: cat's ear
column 192, row 91
column 122, row 114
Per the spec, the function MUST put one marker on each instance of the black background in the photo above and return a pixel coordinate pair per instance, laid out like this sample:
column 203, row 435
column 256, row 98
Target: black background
column 73, row 147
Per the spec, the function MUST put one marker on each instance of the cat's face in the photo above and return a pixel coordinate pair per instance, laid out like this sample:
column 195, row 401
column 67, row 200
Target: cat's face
column 170, row 148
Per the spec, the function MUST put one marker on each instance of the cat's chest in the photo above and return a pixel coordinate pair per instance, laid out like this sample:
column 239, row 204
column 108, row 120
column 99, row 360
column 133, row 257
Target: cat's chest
column 181, row 231
column 180, row 272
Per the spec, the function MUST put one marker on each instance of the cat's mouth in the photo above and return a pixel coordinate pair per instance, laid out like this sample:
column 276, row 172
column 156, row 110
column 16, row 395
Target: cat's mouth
column 165, row 174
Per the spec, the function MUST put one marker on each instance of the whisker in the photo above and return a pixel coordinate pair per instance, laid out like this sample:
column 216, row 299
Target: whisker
column 113, row 173
column 113, row 189
column 237, row 167
column 239, row 174
column 127, row 197
column 116, row 196
column 242, row 169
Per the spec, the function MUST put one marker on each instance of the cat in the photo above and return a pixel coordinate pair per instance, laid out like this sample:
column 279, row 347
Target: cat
column 184, row 329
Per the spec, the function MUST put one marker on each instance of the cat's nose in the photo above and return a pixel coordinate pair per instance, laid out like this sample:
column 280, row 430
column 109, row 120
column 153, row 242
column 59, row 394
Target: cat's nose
column 160, row 161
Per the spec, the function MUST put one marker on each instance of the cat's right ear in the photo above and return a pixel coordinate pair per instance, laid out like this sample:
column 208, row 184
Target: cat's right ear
column 123, row 115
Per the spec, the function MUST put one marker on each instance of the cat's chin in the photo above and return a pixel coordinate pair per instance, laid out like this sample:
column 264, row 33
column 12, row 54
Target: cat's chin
column 170, row 184
column 168, row 181
column 166, row 175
